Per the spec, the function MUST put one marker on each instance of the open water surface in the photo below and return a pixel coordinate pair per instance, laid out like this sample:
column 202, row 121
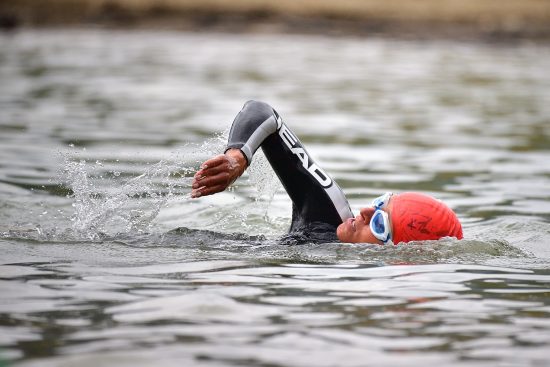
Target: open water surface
column 105, row 261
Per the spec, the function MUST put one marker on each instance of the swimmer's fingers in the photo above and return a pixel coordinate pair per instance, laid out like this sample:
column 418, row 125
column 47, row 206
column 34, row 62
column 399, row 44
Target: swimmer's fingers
column 217, row 173
column 211, row 184
column 221, row 171
column 222, row 178
column 214, row 161
column 211, row 167
column 212, row 171
column 204, row 191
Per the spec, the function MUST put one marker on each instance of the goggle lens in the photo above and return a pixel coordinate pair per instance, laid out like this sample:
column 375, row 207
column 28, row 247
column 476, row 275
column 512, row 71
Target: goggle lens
column 378, row 224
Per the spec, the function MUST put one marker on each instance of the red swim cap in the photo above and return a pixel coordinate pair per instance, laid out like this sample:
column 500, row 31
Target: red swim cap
column 418, row 217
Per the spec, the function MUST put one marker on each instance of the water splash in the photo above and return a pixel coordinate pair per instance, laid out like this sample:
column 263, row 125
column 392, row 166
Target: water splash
column 109, row 201
column 263, row 178
column 129, row 206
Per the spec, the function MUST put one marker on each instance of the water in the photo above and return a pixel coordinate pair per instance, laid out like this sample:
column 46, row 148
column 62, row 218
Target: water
column 106, row 261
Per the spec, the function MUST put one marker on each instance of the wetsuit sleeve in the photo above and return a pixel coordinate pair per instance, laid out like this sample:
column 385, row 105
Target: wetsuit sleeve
column 315, row 196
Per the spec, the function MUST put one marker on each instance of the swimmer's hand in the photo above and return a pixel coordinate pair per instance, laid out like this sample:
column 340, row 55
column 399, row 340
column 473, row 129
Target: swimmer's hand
column 217, row 173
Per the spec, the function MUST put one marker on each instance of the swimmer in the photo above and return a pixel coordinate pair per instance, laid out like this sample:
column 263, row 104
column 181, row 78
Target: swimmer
column 318, row 203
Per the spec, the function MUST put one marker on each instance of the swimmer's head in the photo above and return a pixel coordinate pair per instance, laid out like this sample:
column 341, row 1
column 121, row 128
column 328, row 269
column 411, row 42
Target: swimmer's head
column 410, row 216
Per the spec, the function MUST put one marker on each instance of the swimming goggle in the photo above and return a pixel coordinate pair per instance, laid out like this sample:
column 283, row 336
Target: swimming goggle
column 380, row 222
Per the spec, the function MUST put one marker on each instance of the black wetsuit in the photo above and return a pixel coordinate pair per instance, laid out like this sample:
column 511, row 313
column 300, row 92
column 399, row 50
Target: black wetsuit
column 319, row 205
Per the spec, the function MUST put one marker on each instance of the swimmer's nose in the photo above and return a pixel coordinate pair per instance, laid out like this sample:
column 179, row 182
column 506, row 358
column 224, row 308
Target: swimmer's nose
column 366, row 213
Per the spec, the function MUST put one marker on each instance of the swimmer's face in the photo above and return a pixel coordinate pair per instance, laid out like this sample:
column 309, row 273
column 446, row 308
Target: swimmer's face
column 357, row 230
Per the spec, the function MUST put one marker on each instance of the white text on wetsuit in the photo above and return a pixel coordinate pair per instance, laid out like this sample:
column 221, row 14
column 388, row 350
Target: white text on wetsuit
column 292, row 143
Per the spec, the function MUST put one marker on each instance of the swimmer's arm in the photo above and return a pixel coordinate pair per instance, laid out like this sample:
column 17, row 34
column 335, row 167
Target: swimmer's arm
column 217, row 173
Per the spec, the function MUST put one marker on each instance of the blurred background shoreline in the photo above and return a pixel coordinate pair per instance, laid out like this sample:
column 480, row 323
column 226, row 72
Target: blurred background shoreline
column 470, row 20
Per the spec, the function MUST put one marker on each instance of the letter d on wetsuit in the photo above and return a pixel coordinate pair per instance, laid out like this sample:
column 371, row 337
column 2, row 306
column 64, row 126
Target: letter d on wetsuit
column 318, row 202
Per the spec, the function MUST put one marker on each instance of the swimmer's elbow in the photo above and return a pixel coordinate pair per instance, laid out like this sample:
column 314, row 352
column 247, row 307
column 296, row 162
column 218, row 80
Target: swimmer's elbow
column 260, row 109
column 252, row 103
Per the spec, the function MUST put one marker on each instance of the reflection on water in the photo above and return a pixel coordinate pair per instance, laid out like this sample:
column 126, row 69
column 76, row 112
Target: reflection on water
column 106, row 261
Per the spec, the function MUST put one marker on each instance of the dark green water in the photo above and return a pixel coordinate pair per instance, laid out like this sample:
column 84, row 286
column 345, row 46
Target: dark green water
column 105, row 261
